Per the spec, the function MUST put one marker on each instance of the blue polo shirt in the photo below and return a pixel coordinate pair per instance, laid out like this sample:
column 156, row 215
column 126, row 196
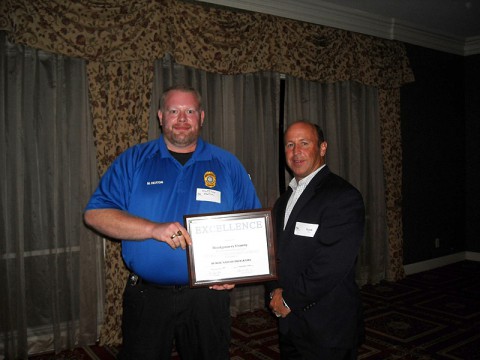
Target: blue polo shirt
column 148, row 182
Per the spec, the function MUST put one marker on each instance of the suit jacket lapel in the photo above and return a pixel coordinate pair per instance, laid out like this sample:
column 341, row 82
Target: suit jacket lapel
column 281, row 207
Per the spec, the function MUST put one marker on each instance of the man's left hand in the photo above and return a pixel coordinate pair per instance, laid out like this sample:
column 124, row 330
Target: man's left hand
column 222, row 287
column 278, row 305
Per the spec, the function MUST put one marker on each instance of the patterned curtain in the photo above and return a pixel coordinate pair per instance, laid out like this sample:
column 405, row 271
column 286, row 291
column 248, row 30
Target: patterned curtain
column 121, row 39
column 204, row 37
column 391, row 138
column 120, row 98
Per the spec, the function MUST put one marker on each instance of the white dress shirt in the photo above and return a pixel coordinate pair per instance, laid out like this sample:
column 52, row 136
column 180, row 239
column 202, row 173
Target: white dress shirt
column 298, row 188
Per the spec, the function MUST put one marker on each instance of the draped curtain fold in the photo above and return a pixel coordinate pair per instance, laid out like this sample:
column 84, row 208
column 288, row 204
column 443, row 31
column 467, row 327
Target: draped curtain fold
column 51, row 266
column 349, row 116
column 121, row 39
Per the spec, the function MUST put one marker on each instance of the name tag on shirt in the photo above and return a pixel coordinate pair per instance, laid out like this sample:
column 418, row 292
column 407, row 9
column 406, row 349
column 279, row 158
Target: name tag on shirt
column 305, row 229
column 209, row 195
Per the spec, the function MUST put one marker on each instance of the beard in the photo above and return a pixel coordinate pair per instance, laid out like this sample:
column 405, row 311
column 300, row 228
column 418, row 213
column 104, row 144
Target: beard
column 183, row 138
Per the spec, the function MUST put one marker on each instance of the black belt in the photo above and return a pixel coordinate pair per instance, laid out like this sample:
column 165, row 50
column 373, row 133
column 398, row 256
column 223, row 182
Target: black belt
column 134, row 279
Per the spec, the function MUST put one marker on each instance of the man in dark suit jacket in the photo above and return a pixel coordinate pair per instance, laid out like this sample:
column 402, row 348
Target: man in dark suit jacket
column 319, row 227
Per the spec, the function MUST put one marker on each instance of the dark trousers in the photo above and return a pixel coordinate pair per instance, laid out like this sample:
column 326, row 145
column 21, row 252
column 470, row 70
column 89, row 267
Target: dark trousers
column 197, row 321
column 299, row 348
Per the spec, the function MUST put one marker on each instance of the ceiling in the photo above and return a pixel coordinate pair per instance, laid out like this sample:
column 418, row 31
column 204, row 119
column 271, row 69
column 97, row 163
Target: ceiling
column 454, row 17
column 446, row 25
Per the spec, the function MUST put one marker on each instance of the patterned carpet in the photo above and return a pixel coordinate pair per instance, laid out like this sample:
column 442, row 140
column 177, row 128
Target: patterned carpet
column 430, row 315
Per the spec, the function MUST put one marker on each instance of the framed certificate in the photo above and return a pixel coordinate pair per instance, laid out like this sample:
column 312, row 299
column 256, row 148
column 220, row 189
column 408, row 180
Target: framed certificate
column 231, row 248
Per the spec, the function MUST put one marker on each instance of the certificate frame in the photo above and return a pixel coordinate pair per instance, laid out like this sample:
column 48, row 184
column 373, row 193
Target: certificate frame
column 234, row 247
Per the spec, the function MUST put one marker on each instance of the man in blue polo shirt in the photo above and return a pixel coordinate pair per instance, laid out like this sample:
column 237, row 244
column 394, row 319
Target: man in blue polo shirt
column 141, row 200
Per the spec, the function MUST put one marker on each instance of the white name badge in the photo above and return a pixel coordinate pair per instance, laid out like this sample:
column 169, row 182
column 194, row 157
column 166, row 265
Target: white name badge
column 209, row 195
column 305, row 229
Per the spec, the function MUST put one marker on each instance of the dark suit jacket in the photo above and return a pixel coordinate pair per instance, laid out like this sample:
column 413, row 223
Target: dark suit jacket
column 317, row 272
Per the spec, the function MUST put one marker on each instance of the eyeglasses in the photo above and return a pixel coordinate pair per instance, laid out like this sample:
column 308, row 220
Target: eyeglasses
column 177, row 112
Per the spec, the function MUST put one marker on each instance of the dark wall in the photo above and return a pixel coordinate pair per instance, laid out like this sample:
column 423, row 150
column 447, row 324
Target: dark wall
column 434, row 162
column 472, row 106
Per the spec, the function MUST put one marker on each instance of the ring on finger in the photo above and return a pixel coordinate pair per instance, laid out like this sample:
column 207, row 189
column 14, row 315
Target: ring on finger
column 178, row 233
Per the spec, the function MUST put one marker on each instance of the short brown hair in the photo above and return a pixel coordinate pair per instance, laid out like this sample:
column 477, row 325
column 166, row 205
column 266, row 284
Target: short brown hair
column 182, row 88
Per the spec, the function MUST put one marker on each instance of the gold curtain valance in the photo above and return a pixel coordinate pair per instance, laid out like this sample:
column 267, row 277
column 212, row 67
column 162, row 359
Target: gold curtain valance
column 203, row 36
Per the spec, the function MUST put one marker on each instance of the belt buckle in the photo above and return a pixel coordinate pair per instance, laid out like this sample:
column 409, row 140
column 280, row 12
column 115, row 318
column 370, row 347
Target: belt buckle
column 133, row 279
